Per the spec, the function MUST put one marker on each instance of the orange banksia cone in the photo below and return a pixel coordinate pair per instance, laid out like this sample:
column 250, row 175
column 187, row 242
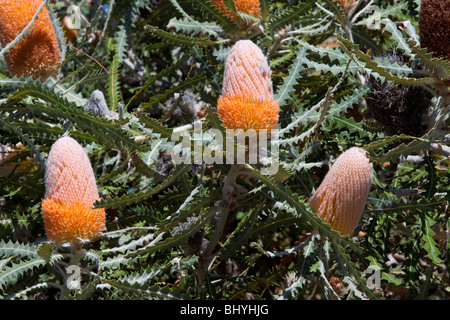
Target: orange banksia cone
column 342, row 195
column 70, row 192
column 37, row 54
column 250, row 7
column 247, row 100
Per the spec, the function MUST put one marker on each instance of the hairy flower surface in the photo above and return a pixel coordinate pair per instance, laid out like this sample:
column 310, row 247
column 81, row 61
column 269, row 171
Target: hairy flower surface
column 70, row 192
column 245, row 112
column 342, row 195
column 434, row 26
column 247, row 72
column 37, row 54
column 250, row 7
column 247, row 95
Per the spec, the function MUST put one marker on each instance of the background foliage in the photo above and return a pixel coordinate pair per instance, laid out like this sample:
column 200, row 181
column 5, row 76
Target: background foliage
column 160, row 65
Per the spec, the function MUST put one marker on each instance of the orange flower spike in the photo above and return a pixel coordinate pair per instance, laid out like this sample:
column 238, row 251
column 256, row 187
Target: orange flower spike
column 342, row 195
column 37, row 54
column 250, row 7
column 247, row 100
column 70, row 192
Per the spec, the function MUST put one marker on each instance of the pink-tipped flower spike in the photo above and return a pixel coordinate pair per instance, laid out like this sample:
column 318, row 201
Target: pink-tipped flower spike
column 342, row 195
column 247, row 72
column 247, row 100
column 70, row 192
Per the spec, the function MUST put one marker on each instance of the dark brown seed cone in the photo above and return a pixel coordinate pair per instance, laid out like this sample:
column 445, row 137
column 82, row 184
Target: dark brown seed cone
column 395, row 108
column 434, row 27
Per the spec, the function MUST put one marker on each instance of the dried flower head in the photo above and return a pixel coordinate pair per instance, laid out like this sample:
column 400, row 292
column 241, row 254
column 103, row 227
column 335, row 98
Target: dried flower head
column 434, row 26
column 250, row 7
column 37, row 54
column 247, row 95
column 70, row 192
column 342, row 195
column 398, row 109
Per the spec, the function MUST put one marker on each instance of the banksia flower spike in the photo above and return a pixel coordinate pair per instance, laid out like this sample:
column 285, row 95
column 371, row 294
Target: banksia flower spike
column 70, row 192
column 247, row 100
column 434, row 26
column 250, row 7
column 342, row 195
column 37, row 54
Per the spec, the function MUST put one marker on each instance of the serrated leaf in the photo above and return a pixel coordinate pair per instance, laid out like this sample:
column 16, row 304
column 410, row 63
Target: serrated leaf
column 194, row 27
column 113, row 91
column 428, row 242
column 45, row 250
column 180, row 237
column 144, row 290
column 379, row 15
column 115, row 262
column 10, row 274
column 211, row 11
column 160, row 75
column 290, row 16
column 10, row 249
column 188, row 83
column 136, row 197
column 372, row 67
column 183, row 40
column 396, row 35
column 437, row 66
column 389, row 277
column 288, row 82
column 108, row 132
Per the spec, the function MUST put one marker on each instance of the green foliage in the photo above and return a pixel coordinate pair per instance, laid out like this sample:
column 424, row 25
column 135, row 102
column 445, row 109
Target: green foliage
column 174, row 230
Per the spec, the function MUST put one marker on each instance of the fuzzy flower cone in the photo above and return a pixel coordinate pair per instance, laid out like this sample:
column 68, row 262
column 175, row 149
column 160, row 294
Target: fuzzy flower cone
column 342, row 195
column 247, row 95
column 37, row 54
column 434, row 27
column 70, row 192
column 250, row 7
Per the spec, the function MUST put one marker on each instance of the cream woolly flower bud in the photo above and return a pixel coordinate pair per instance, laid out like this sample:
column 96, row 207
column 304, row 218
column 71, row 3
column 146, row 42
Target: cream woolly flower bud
column 247, row 100
column 247, row 72
column 342, row 195
column 37, row 54
column 250, row 7
column 70, row 192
